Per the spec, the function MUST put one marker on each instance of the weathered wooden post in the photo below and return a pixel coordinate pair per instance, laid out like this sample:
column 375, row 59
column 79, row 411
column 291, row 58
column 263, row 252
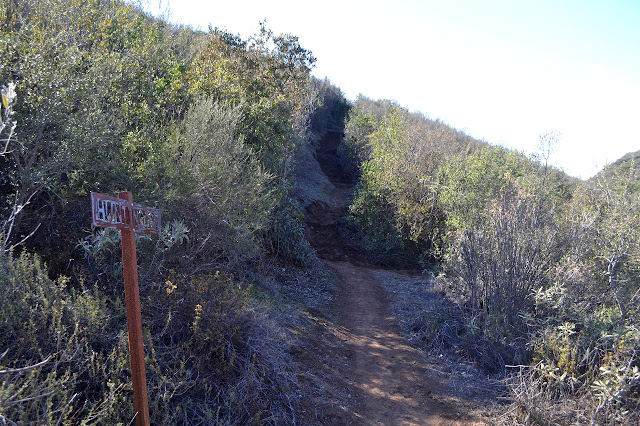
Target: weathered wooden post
column 123, row 214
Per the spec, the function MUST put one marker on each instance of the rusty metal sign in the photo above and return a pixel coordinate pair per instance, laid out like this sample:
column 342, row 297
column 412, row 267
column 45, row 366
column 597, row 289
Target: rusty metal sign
column 116, row 213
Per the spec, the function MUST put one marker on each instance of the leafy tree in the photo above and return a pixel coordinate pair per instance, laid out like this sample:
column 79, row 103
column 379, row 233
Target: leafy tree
column 268, row 75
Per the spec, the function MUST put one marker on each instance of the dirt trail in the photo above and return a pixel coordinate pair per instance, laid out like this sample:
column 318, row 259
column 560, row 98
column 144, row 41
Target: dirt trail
column 384, row 379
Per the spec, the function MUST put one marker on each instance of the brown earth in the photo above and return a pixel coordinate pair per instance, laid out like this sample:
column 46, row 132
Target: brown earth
column 368, row 371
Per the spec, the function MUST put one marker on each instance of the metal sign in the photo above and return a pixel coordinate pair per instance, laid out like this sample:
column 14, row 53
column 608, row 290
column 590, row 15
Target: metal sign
column 129, row 217
column 116, row 213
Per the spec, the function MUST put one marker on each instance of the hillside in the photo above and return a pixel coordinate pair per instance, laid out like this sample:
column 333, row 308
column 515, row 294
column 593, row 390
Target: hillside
column 321, row 260
column 625, row 165
column 542, row 268
column 99, row 96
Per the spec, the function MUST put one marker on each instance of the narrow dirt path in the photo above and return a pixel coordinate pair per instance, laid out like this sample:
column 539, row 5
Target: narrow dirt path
column 385, row 380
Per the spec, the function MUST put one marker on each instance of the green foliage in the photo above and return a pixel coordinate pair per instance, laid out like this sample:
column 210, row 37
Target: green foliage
column 206, row 125
column 90, row 106
column 607, row 212
column 585, row 342
column 361, row 122
column 469, row 182
column 266, row 80
column 286, row 235
column 396, row 207
column 215, row 355
column 82, row 69
column 215, row 183
column 268, row 76
column 507, row 256
column 63, row 358
column 101, row 249
column 627, row 165
column 502, row 234
column 538, row 263
column 104, row 88
column 584, row 354
column 377, row 209
column 331, row 109
column 212, row 353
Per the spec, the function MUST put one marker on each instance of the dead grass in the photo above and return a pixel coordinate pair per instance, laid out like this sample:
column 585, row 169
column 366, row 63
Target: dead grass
column 436, row 325
column 530, row 403
column 533, row 402
column 518, row 396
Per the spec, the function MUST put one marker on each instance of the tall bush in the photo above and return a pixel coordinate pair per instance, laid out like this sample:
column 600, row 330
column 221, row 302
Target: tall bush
column 506, row 255
column 396, row 206
column 606, row 213
column 268, row 76
column 584, row 326
column 331, row 107
column 213, row 181
column 98, row 84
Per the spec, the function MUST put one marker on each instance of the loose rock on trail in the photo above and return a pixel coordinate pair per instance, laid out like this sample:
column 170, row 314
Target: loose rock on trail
column 374, row 376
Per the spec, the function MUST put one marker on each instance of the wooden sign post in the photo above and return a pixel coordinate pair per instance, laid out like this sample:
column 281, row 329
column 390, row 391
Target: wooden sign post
column 123, row 214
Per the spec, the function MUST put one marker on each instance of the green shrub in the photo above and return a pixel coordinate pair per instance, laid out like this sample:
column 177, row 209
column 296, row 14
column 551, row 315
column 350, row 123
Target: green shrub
column 267, row 76
column 206, row 126
column 584, row 329
column 285, row 237
column 216, row 356
column 63, row 357
column 215, row 184
column 361, row 122
column 506, row 254
column 98, row 84
column 213, row 355
column 584, row 368
column 331, row 108
column 396, row 205
column 470, row 181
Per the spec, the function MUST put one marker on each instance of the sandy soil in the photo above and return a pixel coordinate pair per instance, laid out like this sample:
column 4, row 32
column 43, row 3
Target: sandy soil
column 370, row 373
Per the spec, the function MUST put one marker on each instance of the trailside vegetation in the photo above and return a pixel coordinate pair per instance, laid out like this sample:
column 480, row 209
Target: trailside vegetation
column 207, row 126
column 395, row 207
column 543, row 268
column 217, row 131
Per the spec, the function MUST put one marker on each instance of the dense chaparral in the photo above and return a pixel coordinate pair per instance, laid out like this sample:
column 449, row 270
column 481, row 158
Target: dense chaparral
column 537, row 273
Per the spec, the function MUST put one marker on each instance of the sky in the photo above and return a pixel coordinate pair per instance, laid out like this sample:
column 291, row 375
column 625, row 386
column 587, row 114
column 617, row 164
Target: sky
column 501, row 71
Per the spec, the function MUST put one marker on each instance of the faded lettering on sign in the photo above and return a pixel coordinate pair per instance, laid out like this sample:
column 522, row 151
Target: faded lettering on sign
column 112, row 212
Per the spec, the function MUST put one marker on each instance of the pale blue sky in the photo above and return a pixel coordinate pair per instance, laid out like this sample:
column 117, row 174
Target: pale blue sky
column 503, row 71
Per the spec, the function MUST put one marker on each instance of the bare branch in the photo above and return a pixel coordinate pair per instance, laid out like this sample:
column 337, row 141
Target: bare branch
column 30, row 367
